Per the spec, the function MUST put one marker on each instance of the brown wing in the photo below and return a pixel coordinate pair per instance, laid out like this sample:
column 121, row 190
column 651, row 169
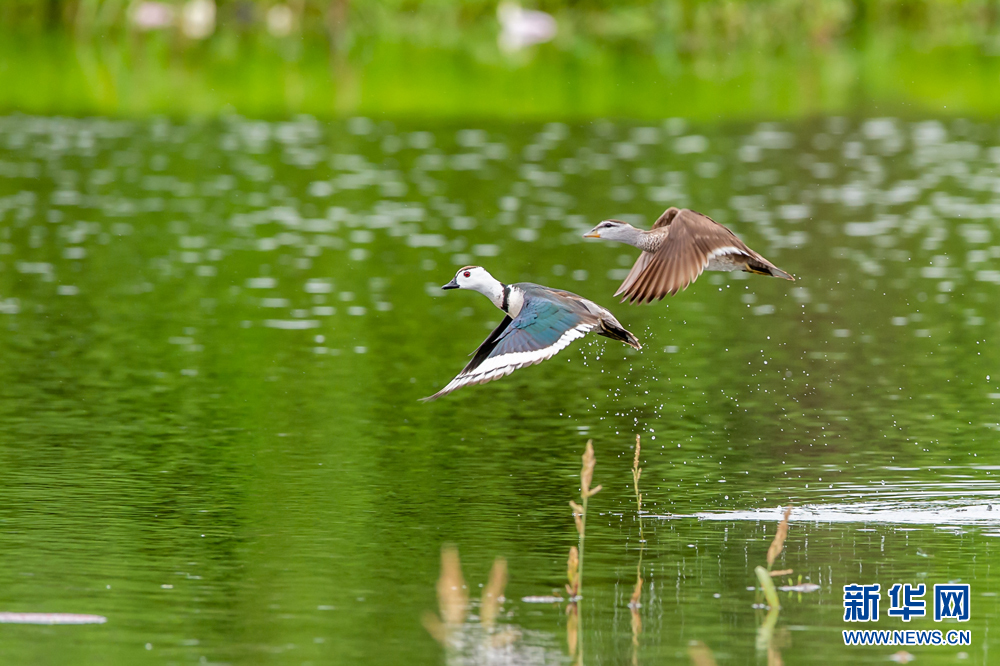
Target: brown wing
column 642, row 263
column 638, row 267
column 690, row 240
column 667, row 217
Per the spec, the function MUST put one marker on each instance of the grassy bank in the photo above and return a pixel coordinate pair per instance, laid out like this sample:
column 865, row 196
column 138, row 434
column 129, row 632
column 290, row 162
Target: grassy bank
column 704, row 60
column 262, row 77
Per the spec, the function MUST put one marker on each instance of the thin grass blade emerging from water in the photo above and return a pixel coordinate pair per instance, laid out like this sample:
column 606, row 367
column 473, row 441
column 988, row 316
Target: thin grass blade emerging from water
column 587, row 473
column 577, row 516
column 636, row 474
column 636, row 601
column 779, row 540
column 574, row 565
column 767, row 586
column 493, row 593
column 580, row 510
column 573, row 573
column 453, row 598
column 766, row 632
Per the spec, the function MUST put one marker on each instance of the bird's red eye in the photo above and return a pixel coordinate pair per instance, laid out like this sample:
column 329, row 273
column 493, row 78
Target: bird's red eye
column 467, row 274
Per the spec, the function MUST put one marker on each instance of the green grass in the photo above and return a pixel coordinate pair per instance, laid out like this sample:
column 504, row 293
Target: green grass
column 261, row 77
column 711, row 59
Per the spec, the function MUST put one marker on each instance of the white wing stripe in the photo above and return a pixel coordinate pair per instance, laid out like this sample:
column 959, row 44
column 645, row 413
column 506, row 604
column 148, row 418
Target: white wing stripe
column 501, row 366
column 527, row 357
column 729, row 249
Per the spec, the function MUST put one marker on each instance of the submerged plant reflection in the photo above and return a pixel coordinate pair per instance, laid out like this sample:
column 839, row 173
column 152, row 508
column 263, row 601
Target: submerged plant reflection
column 453, row 598
column 700, row 654
column 464, row 641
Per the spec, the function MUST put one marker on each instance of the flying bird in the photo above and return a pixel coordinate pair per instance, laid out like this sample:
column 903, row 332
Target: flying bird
column 681, row 244
column 539, row 323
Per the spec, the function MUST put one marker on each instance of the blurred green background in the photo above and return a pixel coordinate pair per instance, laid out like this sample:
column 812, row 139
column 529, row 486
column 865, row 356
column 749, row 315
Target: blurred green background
column 707, row 60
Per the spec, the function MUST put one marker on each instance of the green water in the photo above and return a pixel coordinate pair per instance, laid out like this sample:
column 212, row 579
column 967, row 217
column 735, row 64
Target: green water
column 213, row 338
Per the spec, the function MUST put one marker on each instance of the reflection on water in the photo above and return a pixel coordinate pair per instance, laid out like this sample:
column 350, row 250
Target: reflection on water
column 50, row 618
column 879, row 512
column 214, row 336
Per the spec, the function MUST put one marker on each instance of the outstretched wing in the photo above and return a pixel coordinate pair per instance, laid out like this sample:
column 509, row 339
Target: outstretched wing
column 690, row 241
column 541, row 330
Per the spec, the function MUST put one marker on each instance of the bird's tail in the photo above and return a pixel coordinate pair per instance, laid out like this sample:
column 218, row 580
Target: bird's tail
column 615, row 331
column 767, row 269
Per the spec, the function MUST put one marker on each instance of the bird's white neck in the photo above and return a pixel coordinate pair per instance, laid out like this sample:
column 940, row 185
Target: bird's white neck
column 491, row 288
column 508, row 298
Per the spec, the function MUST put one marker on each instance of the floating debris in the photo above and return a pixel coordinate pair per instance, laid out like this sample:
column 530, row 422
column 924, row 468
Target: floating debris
column 801, row 587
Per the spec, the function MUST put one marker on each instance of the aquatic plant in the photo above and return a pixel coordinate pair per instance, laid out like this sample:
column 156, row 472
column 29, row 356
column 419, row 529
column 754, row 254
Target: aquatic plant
column 767, row 587
column 573, row 573
column 636, row 473
column 489, row 605
column 575, row 565
column 774, row 550
column 766, row 641
column 635, row 601
column 453, row 598
column 453, row 601
column 764, row 576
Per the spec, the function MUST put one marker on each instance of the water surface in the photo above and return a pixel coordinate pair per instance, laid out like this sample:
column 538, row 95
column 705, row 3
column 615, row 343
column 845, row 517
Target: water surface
column 214, row 337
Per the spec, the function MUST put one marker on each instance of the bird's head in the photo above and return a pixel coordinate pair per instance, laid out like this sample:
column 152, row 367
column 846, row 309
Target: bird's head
column 611, row 230
column 476, row 278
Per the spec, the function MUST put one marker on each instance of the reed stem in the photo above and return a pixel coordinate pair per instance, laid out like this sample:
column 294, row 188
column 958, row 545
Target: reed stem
column 575, row 568
column 635, row 602
column 767, row 585
column 636, row 473
column 583, row 530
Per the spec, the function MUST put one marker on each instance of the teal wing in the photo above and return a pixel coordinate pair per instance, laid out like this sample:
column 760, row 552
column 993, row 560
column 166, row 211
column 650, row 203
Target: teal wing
column 543, row 328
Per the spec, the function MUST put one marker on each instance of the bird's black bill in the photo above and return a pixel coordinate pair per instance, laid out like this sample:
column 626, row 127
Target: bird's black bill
column 451, row 285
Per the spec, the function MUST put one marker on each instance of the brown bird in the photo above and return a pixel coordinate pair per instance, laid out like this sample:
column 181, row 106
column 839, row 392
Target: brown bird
column 681, row 244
